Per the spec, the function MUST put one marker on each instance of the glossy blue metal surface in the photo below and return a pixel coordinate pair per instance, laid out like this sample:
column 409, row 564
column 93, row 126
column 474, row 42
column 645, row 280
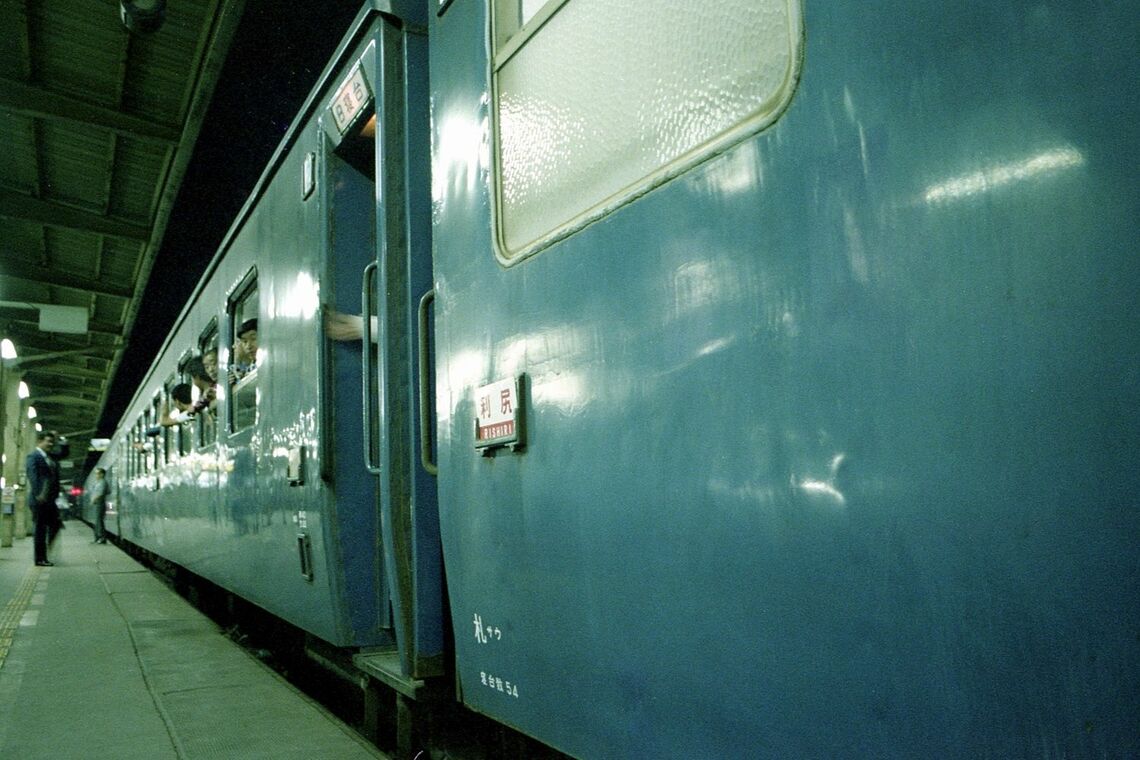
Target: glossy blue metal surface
column 408, row 509
column 831, row 440
column 229, row 510
column 348, row 200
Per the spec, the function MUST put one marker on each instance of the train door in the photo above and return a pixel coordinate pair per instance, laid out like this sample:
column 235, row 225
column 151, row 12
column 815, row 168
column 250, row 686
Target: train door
column 375, row 132
column 349, row 187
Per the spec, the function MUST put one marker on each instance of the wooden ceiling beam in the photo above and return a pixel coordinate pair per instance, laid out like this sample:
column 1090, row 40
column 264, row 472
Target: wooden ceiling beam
column 26, row 208
column 54, row 277
column 59, row 398
column 60, row 369
column 31, row 337
column 41, row 103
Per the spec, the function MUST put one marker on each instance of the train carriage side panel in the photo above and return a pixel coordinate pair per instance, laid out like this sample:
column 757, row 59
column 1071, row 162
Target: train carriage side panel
column 829, row 437
column 280, row 510
column 219, row 510
column 271, row 273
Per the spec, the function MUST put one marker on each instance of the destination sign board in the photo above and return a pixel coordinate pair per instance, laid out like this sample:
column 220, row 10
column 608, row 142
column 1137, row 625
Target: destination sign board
column 350, row 100
column 500, row 420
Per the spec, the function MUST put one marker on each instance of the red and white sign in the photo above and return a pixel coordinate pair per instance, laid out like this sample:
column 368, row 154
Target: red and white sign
column 497, row 405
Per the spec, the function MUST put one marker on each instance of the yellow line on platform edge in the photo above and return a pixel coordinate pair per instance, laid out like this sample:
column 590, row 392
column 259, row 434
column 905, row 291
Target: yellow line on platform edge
column 14, row 610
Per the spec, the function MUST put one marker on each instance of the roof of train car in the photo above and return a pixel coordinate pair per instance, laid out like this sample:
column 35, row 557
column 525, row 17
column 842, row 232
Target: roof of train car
column 128, row 155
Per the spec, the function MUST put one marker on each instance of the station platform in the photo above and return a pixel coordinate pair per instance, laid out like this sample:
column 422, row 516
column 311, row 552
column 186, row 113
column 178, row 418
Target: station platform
column 99, row 659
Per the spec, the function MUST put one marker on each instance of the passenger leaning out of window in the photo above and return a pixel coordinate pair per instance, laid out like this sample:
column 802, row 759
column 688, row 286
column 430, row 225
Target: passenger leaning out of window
column 207, row 389
column 210, row 362
column 245, row 351
column 182, row 400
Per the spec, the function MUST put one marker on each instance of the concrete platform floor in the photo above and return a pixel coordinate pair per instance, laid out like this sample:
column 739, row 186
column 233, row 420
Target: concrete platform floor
column 99, row 659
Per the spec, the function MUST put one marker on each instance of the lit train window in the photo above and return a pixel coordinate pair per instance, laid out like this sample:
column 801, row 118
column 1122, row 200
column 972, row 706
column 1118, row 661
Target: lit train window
column 245, row 355
column 139, row 448
column 186, row 431
column 207, row 348
column 597, row 101
column 157, row 442
column 175, row 438
column 144, row 441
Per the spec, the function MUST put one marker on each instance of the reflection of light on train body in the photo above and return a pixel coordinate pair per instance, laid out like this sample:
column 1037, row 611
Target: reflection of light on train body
column 825, row 488
column 714, row 346
column 565, row 392
column 462, row 146
column 301, row 300
column 1004, row 174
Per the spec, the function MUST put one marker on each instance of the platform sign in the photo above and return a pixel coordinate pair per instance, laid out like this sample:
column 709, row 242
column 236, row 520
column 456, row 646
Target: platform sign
column 500, row 420
column 350, row 99
column 8, row 500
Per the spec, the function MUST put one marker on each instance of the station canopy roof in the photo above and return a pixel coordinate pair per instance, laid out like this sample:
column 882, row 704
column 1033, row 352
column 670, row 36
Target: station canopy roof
column 97, row 126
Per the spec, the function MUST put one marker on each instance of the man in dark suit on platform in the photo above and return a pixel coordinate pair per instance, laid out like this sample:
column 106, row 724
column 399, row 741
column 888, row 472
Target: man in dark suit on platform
column 43, row 489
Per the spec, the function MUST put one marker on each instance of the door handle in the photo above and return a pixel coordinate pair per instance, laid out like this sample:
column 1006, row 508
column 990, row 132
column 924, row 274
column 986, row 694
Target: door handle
column 368, row 367
column 426, row 431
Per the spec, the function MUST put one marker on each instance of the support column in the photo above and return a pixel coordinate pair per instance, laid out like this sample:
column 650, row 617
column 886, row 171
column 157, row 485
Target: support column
column 7, row 516
column 9, row 414
column 15, row 435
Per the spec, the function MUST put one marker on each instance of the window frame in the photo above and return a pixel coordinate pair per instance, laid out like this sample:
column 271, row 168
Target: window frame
column 693, row 157
column 158, row 445
column 188, row 439
column 172, row 436
column 515, row 40
column 206, row 422
column 238, row 298
column 138, row 446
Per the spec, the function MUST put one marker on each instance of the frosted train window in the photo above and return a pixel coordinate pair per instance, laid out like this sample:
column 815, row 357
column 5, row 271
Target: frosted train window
column 598, row 101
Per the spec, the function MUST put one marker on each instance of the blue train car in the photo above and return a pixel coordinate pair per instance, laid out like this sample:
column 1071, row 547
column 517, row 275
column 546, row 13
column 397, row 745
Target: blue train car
column 787, row 374
column 264, row 490
column 762, row 373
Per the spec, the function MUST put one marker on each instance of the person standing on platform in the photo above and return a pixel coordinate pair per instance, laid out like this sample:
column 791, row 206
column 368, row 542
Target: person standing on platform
column 98, row 496
column 43, row 488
